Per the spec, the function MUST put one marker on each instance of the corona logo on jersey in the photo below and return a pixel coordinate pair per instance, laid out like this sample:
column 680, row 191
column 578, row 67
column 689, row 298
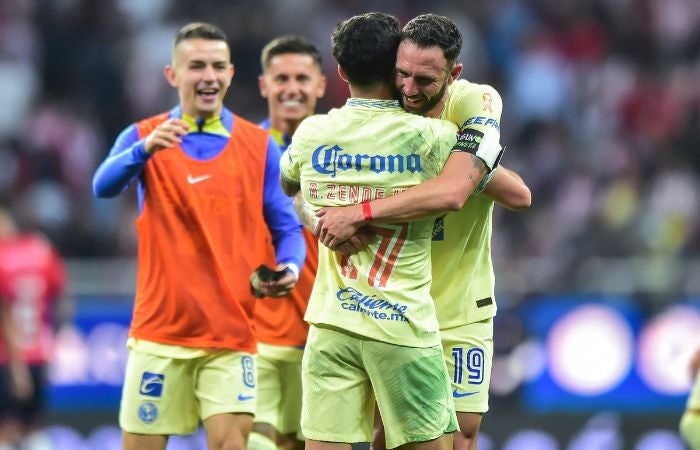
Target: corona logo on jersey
column 329, row 160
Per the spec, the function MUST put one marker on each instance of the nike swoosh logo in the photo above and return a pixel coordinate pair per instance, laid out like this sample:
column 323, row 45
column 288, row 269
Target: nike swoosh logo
column 457, row 394
column 245, row 398
column 193, row 180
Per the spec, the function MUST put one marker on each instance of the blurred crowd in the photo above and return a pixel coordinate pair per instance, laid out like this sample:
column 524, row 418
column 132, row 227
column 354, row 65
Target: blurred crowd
column 601, row 113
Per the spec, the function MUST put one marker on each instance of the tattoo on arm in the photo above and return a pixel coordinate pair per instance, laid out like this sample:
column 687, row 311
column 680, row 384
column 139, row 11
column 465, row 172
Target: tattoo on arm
column 478, row 163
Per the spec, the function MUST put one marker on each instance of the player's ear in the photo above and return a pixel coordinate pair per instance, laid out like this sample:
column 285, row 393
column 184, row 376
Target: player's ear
column 342, row 74
column 456, row 71
column 169, row 72
column 321, row 88
column 262, row 86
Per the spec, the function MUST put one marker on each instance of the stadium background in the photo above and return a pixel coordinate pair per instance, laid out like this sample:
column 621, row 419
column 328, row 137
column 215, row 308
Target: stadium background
column 597, row 282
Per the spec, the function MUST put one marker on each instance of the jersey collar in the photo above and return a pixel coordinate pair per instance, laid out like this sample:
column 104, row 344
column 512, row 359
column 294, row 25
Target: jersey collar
column 220, row 125
column 372, row 103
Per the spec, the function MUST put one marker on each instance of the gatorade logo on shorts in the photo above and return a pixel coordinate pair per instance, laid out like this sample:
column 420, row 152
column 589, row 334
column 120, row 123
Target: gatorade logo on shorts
column 152, row 384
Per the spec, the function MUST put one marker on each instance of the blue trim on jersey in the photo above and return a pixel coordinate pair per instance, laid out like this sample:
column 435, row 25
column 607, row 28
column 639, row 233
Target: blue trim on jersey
column 128, row 156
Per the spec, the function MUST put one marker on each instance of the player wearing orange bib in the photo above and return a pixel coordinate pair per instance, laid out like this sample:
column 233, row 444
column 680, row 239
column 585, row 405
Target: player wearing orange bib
column 208, row 190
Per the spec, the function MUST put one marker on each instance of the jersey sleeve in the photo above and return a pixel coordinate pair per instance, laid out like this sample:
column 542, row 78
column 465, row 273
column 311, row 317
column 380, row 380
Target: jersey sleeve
column 290, row 167
column 476, row 109
column 479, row 109
column 124, row 163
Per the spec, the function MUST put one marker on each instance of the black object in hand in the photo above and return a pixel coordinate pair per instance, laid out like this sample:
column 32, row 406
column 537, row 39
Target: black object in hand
column 264, row 273
column 267, row 274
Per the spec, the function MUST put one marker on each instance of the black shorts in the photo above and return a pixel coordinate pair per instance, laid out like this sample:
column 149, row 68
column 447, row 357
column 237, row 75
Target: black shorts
column 27, row 411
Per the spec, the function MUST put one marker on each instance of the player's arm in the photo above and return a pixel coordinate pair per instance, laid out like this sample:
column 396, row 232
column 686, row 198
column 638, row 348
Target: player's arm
column 128, row 156
column 446, row 192
column 20, row 378
column 124, row 163
column 285, row 228
column 306, row 214
column 289, row 187
column 508, row 189
column 462, row 173
column 356, row 243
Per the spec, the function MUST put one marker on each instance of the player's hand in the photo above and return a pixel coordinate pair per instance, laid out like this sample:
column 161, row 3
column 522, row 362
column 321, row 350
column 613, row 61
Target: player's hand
column 166, row 135
column 280, row 287
column 357, row 242
column 337, row 224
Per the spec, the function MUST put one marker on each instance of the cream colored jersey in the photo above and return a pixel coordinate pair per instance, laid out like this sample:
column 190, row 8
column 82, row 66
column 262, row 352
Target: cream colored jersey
column 463, row 278
column 365, row 150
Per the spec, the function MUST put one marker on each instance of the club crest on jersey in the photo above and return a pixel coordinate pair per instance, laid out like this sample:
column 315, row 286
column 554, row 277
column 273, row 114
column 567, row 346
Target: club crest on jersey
column 152, row 384
column 148, row 412
column 328, row 160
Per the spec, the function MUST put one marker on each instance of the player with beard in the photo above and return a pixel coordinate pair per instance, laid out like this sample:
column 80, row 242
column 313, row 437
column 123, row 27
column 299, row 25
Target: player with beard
column 463, row 280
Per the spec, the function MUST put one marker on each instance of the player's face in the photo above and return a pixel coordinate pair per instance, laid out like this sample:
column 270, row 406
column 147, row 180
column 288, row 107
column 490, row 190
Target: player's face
column 292, row 84
column 201, row 72
column 422, row 77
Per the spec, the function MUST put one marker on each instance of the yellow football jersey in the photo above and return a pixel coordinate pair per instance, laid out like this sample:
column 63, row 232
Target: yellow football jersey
column 365, row 150
column 463, row 278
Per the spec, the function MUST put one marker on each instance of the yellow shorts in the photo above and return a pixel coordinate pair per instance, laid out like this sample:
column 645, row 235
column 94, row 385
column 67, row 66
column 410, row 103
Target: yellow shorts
column 690, row 421
column 279, row 388
column 343, row 373
column 469, row 354
column 164, row 396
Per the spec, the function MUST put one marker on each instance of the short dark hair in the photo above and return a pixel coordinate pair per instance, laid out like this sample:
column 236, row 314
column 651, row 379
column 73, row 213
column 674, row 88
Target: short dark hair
column 289, row 44
column 429, row 30
column 365, row 47
column 200, row 30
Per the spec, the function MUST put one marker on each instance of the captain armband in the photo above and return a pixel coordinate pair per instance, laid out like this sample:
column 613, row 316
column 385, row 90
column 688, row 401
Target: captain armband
column 485, row 146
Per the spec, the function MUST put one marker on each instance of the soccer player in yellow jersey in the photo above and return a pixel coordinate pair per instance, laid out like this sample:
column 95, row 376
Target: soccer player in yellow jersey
column 690, row 422
column 374, row 333
column 292, row 82
column 463, row 278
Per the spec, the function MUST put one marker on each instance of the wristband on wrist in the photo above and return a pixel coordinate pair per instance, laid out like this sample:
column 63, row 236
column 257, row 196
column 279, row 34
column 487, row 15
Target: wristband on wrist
column 366, row 212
